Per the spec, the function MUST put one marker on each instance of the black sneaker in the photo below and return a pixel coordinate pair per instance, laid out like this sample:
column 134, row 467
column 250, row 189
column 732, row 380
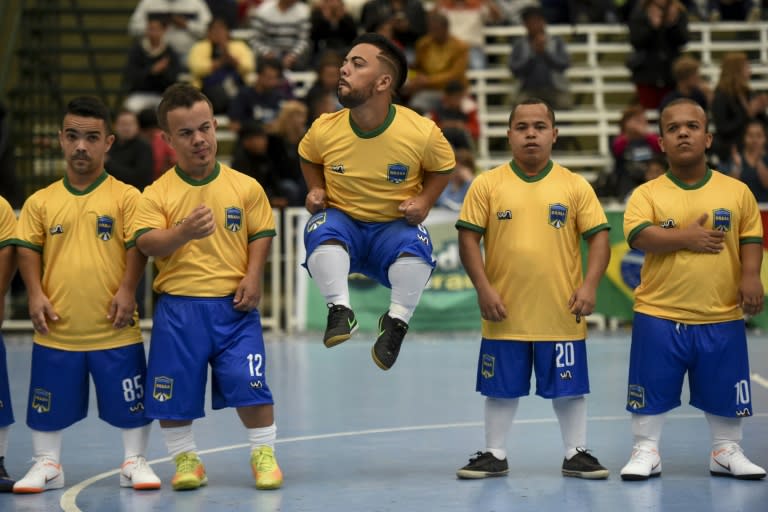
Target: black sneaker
column 341, row 325
column 6, row 482
column 387, row 346
column 483, row 465
column 584, row 465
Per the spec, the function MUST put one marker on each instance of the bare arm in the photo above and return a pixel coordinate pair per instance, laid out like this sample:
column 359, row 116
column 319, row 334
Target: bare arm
column 248, row 292
column 582, row 302
column 123, row 304
column 491, row 306
column 40, row 308
column 693, row 237
column 416, row 208
column 200, row 223
column 315, row 179
column 751, row 292
column 7, row 268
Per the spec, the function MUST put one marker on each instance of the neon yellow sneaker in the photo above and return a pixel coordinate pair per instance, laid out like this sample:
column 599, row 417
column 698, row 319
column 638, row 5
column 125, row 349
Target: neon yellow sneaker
column 190, row 472
column 265, row 469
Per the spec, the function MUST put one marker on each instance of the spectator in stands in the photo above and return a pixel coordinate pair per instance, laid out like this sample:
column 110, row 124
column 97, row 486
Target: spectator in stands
column 262, row 100
column 186, row 19
column 633, row 149
column 284, row 137
column 152, row 67
column 226, row 10
column 323, row 90
column 440, row 58
column 281, row 30
column 733, row 10
column 658, row 29
column 456, row 115
column 461, row 178
column 332, row 29
column 467, row 18
column 251, row 157
column 579, row 11
column 8, row 185
column 750, row 164
column 406, row 18
column 130, row 157
column 688, row 83
column 539, row 61
column 220, row 66
column 734, row 104
column 163, row 155
column 656, row 167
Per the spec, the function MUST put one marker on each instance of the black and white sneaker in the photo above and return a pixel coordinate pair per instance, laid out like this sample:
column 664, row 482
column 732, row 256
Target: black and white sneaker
column 483, row 465
column 341, row 324
column 387, row 346
column 584, row 465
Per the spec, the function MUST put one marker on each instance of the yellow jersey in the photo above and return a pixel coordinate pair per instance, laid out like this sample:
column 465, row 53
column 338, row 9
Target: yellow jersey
column 82, row 237
column 532, row 229
column 215, row 265
column 682, row 285
column 368, row 174
column 7, row 224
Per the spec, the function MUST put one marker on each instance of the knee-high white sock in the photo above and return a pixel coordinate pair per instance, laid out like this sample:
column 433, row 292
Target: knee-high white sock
column 724, row 431
column 329, row 267
column 262, row 436
column 135, row 441
column 4, row 439
column 571, row 413
column 47, row 444
column 646, row 430
column 499, row 415
column 408, row 276
column 179, row 440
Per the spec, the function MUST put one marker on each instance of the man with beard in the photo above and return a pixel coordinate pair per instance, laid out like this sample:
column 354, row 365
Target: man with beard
column 373, row 171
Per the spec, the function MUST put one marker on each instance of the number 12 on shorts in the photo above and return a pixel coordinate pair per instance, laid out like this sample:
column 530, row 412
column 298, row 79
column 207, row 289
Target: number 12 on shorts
column 254, row 364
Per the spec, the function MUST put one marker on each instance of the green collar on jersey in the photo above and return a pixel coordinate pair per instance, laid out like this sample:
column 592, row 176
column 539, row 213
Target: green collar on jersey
column 703, row 181
column 197, row 183
column 90, row 187
column 376, row 131
column 531, row 179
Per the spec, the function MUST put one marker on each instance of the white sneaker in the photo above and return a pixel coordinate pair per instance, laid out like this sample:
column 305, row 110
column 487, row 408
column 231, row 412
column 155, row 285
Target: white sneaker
column 44, row 475
column 731, row 461
column 643, row 464
column 136, row 473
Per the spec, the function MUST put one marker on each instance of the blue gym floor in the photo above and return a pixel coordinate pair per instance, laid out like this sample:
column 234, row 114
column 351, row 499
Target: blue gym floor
column 354, row 438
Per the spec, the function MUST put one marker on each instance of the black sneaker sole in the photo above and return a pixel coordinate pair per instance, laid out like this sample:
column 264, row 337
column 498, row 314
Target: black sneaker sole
column 601, row 474
column 758, row 476
column 339, row 338
column 639, row 478
column 466, row 474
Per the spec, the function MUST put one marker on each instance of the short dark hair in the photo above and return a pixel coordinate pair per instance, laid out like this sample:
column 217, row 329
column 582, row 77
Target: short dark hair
column 269, row 63
column 532, row 101
column 89, row 106
column 178, row 96
column 532, row 11
column 390, row 53
column 683, row 101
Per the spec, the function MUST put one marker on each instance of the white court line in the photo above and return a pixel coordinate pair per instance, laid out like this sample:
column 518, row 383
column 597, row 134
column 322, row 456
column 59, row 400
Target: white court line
column 69, row 498
column 758, row 379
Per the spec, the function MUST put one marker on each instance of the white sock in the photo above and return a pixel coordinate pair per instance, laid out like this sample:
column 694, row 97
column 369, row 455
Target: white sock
column 571, row 413
column 329, row 267
column 179, row 440
column 724, row 431
column 408, row 276
column 135, row 441
column 646, row 430
column 4, row 439
column 262, row 436
column 499, row 415
column 47, row 444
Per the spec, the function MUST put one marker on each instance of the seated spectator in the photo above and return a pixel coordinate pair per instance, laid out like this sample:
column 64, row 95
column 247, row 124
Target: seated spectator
column 284, row 137
column 281, row 30
column 633, row 149
column 657, row 166
column 750, row 164
column 220, row 66
column 130, row 157
column 324, row 88
column 440, row 58
column 163, row 155
column 689, row 83
column 186, row 20
column 456, row 115
column 226, row 10
column 461, row 178
column 152, row 67
column 538, row 62
column 406, row 19
column 733, row 10
column 332, row 29
column 262, row 100
column 251, row 157
column 467, row 19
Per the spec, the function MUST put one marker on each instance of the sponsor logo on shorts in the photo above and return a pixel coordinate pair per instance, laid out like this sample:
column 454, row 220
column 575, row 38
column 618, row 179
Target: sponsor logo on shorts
column 104, row 227
column 233, row 218
column 162, row 391
column 721, row 219
column 41, row 400
column 139, row 407
column 488, row 366
column 315, row 221
column 396, row 173
column 636, row 396
column 256, row 384
column 743, row 412
column 566, row 375
column 558, row 215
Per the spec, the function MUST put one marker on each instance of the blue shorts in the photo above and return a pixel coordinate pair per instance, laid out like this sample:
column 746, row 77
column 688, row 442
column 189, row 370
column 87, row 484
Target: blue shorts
column 188, row 333
column 59, row 386
column 504, row 368
column 714, row 355
column 6, row 411
column 373, row 246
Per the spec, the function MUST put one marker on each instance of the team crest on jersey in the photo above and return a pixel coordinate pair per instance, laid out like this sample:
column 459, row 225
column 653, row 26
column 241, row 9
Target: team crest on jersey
column 636, row 396
column 104, row 226
column 558, row 215
column 337, row 168
column 58, row 229
column 505, row 215
column 488, row 366
column 721, row 219
column 315, row 222
column 667, row 224
column 396, row 173
column 234, row 218
column 41, row 400
column 162, row 390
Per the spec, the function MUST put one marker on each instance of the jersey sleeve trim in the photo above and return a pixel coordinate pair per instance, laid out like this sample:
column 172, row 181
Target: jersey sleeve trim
column 10, row 241
column 130, row 244
column 590, row 232
column 262, row 234
column 633, row 234
column 461, row 224
column 309, row 161
column 141, row 232
column 445, row 171
column 28, row 245
column 750, row 240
